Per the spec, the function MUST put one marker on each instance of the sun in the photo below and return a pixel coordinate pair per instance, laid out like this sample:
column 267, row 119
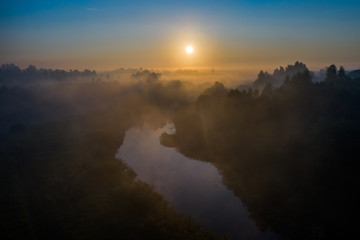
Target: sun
column 189, row 49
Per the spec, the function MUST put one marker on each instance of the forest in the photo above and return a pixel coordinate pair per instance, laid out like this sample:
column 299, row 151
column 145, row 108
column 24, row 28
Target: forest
column 286, row 145
column 59, row 175
column 289, row 152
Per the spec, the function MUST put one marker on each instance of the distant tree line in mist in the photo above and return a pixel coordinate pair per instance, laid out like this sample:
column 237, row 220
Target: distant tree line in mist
column 11, row 72
column 281, row 74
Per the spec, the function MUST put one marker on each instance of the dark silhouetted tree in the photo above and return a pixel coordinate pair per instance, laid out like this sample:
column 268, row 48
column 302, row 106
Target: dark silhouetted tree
column 268, row 90
column 331, row 74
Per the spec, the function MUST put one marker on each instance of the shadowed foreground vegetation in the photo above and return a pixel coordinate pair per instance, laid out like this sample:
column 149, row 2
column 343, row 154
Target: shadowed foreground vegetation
column 290, row 153
column 287, row 149
column 59, row 175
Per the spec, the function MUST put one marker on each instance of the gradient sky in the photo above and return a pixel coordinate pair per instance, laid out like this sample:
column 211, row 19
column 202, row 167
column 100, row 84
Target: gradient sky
column 105, row 35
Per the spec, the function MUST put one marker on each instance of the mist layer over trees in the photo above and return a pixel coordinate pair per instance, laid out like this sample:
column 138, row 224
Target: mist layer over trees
column 287, row 147
column 10, row 74
column 59, row 175
column 289, row 152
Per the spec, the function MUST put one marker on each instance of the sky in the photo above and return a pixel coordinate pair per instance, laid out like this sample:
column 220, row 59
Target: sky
column 105, row 35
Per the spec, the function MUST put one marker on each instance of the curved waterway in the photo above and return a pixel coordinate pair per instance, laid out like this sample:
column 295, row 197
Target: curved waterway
column 191, row 186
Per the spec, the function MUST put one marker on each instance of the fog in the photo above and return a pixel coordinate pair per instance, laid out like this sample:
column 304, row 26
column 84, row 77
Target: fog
column 283, row 143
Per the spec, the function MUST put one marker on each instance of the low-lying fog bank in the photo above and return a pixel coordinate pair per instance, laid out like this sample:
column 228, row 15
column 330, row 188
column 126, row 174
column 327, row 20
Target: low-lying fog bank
column 285, row 144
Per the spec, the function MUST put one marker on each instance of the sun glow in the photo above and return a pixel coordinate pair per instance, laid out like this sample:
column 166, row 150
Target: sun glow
column 189, row 49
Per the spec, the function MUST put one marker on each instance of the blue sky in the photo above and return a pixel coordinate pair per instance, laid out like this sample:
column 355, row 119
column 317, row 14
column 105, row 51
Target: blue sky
column 111, row 34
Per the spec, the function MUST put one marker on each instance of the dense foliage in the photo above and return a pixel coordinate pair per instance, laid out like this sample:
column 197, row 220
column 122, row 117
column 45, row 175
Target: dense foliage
column 59, row 175
column 290, row 153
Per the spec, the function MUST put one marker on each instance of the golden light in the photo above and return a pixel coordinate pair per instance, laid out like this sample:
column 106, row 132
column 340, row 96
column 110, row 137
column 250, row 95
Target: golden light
column 189, row 49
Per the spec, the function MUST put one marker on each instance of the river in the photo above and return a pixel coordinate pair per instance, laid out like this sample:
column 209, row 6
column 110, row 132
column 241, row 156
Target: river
column 192, row 187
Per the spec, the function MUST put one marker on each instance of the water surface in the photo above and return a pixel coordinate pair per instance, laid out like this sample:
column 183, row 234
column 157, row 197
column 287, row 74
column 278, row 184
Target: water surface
column 191, row 186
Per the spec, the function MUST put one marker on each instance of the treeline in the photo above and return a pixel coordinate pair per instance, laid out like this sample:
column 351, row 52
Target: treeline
column 289, row 152
column 11, row 73
column 281, row 74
